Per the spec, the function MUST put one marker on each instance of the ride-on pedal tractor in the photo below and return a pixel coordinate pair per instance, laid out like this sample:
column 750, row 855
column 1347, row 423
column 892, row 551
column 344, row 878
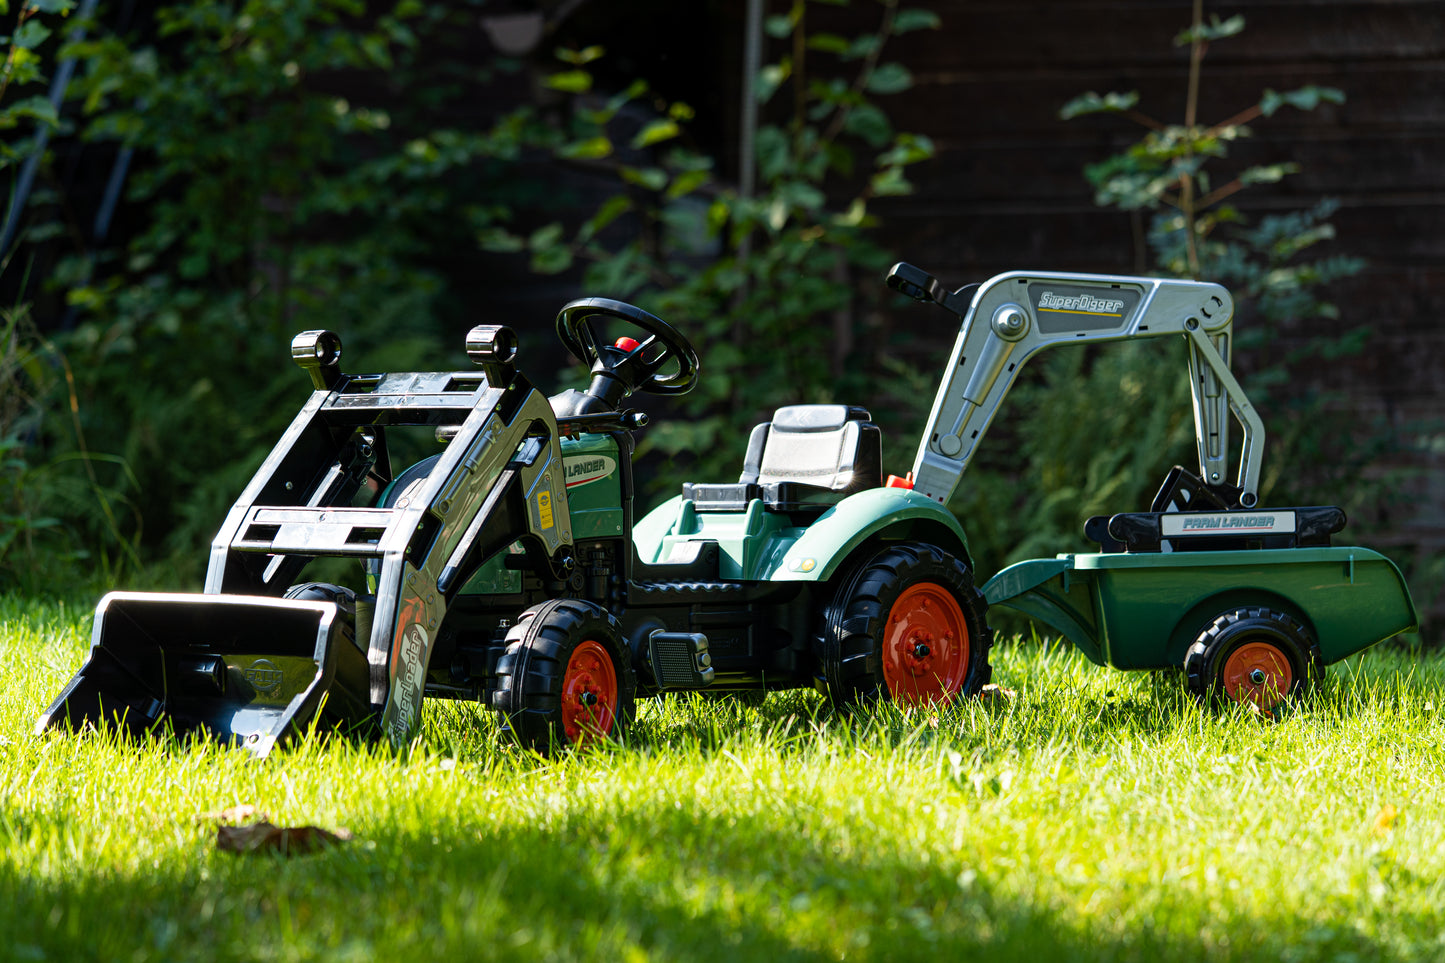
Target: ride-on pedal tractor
column 1251, row 602
column 509, row 569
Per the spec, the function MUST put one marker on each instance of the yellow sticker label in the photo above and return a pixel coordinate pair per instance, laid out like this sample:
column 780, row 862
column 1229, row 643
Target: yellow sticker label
column 544, row 509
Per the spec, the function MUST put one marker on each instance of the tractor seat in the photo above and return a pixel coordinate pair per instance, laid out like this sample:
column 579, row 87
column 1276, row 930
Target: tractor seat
column 806, row 459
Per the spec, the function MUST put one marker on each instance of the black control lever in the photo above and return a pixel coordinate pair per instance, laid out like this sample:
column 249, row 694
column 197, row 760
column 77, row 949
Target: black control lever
column 918, row 284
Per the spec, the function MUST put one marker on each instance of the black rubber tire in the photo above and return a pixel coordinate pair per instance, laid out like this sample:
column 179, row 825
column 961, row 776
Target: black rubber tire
column 848, row 649
column 344, row 597
column 531, row 672
column 345, row 600
column 1205, row 661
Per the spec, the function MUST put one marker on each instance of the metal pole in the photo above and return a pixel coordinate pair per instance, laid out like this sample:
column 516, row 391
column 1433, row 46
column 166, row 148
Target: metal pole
column 58, row 85
column 752, row 63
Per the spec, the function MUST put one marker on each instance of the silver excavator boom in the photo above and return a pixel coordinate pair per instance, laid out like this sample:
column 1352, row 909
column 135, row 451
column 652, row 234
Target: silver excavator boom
column 1011, row 317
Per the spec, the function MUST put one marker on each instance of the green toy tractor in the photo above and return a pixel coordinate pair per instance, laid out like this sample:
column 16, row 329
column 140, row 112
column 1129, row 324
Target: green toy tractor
column 509, row 567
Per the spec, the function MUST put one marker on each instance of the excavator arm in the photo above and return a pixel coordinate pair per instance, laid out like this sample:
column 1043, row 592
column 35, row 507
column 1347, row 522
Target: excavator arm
column 1009, row 318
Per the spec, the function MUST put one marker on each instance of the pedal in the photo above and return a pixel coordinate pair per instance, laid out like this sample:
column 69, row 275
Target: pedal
column 680, row 660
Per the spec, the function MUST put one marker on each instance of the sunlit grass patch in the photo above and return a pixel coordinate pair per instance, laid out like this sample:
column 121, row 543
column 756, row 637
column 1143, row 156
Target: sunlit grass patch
column 1092, row 815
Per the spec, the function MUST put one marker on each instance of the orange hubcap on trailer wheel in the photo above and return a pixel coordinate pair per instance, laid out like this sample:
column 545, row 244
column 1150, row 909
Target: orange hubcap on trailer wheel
column 925, row 646
column 1257, row 672
column 589, row 693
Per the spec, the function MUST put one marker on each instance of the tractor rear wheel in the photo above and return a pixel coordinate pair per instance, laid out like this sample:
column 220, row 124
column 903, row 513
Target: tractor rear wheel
column 565, row 677
column 907, row 625
column 1254, row 656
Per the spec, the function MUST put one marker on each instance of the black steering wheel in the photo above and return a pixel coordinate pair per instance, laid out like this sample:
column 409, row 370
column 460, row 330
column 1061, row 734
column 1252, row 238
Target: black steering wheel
column 637, row 365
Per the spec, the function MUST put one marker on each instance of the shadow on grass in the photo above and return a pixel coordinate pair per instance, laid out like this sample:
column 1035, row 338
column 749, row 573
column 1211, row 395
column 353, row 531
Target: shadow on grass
column 667, row 883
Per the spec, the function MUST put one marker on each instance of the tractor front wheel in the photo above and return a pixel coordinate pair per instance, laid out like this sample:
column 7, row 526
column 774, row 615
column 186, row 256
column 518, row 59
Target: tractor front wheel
column 907, row 625
column 565, row 678
column 1253, row 656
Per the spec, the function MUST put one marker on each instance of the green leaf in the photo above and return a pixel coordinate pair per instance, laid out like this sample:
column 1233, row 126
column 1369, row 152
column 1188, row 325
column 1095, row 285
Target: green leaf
column 718, row 213
column 32, row 33
column 802, row 196
column 907, row 21
column 546, row 236
column 687, row 183
column 37, row 107
column 634, row 90
column 570, row 81
column 578, row 58
column 1092, row 103
column 828, row 43
column 890, row 182
column 855, row 216
column 44, row 232
column 779, row 26
column 1305, row 98
column 1216, row 29
column 1267, row 174
column 552, row 260
column 772, row 153
column 590, row 149
column 61, row 7
column 656, row 132
column 770, row 78
column 610, row 211
column 908, row 149
column 651, row 178
column 890, row 78
column 863, row 46
column 500, row 241
column 870, row 124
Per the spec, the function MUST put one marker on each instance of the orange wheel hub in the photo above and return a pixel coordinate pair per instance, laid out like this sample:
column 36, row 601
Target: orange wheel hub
column 925, row 646
column 1259, row 673
column 589, row 693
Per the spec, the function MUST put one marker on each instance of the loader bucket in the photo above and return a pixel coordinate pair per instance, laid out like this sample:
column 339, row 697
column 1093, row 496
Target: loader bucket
column 244, row 669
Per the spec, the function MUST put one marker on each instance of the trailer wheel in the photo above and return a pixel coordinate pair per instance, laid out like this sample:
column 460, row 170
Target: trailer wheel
column 1253, row 655
column 907, row 625
column 564, row 678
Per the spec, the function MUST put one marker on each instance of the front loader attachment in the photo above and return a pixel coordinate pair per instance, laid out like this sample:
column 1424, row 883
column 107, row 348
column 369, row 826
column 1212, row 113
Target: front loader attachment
column 259, row 656
column 241, row 668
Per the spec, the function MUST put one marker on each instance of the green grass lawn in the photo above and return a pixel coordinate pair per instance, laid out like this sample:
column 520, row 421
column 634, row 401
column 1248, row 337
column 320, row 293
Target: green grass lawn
column 1096, row 815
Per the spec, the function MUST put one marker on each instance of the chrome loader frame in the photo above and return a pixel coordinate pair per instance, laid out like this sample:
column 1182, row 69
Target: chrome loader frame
column 243, row 662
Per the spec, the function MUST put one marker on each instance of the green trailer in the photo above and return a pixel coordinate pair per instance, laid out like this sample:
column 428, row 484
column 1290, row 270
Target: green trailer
column 1241, row 622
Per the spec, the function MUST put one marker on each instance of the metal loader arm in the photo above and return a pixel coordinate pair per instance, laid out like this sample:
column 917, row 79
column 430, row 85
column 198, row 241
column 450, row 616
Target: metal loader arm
column 1012, row 316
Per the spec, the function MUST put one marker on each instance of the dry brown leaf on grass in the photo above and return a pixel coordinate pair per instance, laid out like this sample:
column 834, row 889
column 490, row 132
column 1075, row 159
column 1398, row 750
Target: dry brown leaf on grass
column 244, row 828
column 232, row 814
column 263, row 837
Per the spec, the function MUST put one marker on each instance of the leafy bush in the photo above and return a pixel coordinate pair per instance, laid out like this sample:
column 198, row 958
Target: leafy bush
column 266, row 203
column 262, row 202
column 773, row 286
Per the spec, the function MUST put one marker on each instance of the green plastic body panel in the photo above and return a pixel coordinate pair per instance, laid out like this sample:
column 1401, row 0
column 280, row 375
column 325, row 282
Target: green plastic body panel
column 1142, row 611
column 747, row 540
column 493, row 577
column 594, row 500
column 761, row 545
column 594, row 486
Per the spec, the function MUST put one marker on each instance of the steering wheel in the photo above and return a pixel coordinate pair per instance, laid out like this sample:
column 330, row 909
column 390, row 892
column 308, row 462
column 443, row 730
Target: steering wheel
column 637, row 365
